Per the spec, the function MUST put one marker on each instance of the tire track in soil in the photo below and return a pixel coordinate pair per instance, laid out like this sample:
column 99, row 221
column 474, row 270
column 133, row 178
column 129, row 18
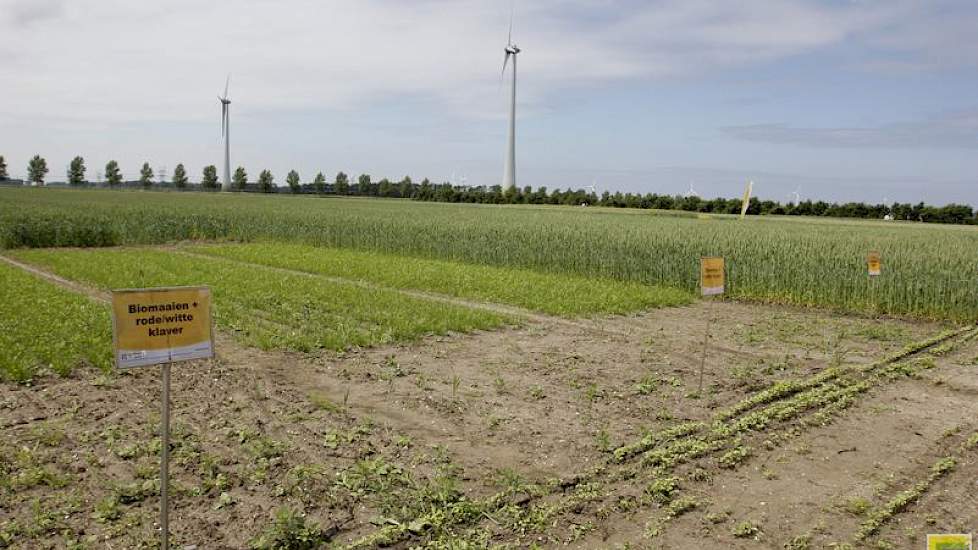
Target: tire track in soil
column 94, row 293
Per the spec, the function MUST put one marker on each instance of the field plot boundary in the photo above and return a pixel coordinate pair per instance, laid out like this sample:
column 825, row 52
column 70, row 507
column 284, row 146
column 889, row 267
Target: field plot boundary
column 488, row 306
column 86, row 290
column 494, row 307
column 556, row 294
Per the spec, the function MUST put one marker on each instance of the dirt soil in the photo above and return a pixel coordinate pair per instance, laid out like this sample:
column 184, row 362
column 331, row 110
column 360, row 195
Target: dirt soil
column 364, row 440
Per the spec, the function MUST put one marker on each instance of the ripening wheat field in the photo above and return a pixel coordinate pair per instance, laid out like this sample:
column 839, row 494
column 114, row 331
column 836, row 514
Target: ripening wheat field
column 928, row 271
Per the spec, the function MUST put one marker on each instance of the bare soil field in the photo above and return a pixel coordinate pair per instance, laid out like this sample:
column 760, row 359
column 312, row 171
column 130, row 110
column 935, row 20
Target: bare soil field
column 577, row 433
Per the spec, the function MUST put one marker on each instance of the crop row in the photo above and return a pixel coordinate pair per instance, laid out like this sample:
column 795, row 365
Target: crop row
column 270, row 309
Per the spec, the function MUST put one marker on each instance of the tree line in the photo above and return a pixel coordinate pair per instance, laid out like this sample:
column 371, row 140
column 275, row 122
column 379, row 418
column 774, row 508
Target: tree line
column 447, row 192
column 951, row 213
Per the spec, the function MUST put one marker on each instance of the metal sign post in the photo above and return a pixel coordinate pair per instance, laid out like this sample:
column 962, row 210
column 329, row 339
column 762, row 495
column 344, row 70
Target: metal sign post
column 165, row 459
column 711, row 284
column 706, row 339
column 160, row 326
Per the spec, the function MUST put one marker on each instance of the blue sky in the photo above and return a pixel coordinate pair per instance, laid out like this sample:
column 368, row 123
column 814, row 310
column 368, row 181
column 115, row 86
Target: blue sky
column 840, row 100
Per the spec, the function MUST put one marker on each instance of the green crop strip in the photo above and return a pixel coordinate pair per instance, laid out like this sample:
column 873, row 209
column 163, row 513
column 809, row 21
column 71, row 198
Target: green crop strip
column 270, row 309
column 45, row 326
column 555, row 294
column 804, row 262
column 814, row 391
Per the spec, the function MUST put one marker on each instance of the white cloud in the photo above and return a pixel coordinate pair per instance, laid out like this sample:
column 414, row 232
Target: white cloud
column 121, row 60
column 137, row 80
column 24, row 13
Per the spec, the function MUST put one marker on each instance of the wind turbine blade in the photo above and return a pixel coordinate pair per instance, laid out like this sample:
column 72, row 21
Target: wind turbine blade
column 505, row 61
column 512, row 8
column 224, row 116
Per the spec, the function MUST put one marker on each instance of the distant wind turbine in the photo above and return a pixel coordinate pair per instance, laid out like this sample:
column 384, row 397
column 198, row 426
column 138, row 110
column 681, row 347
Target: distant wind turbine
column 226, row 132
column 692, row 192
column 509, row 171
column 593, row 187
column 796, row 195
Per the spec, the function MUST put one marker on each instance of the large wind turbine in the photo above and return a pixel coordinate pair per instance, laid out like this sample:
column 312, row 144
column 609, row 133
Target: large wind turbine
column 509, row 171
column 226, row 132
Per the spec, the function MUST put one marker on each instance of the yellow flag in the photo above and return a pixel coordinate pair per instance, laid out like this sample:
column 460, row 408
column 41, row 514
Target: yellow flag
column 746, row 203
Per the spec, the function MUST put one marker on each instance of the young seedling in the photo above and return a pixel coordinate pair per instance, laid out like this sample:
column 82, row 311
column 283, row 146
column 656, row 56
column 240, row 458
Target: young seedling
column 745, row 529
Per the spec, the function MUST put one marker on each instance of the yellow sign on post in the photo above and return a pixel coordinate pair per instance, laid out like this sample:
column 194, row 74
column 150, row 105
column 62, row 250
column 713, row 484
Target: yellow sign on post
column 161, row 325
column 873, row 260
column 949, row 542
column 711, row 275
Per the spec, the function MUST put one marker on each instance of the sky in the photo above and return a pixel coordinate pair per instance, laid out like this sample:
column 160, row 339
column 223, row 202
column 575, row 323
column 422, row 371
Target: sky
column 868, row 100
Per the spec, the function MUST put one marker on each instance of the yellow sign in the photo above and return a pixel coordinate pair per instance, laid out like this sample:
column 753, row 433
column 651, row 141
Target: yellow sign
column 874, row 263
column 711, row 276
column 949, row 542
column 161, row 325
column 746, row 204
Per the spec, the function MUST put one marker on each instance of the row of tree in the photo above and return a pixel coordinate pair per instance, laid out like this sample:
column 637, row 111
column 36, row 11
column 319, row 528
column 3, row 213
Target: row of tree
column 447, row 192
column 951, row 213
column 37, row 171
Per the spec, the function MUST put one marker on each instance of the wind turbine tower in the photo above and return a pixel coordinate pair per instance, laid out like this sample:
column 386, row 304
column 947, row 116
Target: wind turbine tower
column 226, row 132
column 509, row 171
